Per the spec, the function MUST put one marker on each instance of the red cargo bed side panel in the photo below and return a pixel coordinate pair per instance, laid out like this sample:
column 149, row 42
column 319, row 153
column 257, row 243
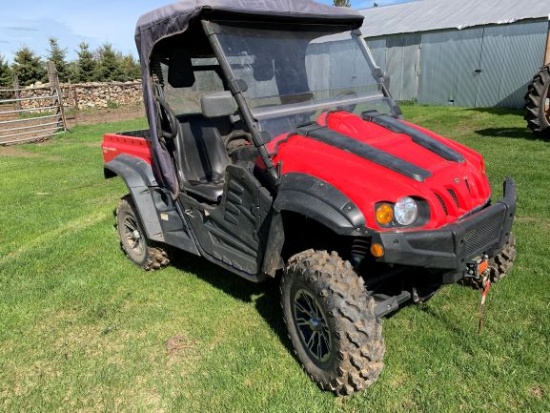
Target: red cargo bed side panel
column 114, row 145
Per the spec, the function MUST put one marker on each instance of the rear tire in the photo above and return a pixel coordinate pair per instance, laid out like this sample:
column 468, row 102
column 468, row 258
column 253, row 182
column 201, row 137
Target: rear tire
column 133, row 240
column 537, row 103
column 331, row 322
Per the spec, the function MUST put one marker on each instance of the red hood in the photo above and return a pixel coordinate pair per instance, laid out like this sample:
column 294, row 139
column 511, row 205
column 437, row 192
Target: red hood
column 452, row 189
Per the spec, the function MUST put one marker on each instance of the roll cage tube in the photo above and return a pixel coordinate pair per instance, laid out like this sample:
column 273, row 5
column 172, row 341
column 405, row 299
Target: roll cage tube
column 376, row 72
column 238, row 87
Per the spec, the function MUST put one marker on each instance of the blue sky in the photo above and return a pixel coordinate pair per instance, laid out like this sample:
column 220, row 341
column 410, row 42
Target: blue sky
column 31, row 22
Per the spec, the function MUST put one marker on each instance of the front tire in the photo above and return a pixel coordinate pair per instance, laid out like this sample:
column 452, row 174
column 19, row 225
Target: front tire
column 133, row 240
column 331, row 322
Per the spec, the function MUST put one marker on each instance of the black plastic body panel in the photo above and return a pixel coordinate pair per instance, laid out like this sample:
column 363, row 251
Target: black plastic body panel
column 484, row 232
column 234, row 233
column 319, row 200
column 157, row 212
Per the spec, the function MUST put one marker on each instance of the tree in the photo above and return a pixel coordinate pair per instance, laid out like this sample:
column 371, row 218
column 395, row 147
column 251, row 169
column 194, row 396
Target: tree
column 108, row 66
column 57, row 56
column 85, row 65
column 28, row 67
column 341, row 3
column 6, row 77
column 130, row 68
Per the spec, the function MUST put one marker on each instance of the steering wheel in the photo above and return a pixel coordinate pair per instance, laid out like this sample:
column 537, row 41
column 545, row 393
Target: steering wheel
column 238, row 134
column 167, row 119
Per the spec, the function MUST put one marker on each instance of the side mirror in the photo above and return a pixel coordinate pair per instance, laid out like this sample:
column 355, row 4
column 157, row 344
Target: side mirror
column 215, row 105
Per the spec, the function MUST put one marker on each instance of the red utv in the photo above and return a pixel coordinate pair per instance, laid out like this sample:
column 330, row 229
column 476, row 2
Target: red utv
column 275, row 150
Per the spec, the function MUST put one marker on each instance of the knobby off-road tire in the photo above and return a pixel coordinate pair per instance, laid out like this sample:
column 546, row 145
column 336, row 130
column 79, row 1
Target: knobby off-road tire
column 133, row 240
column 499, row 265
column 331, row 322
column 503, row 262
column 537, row 103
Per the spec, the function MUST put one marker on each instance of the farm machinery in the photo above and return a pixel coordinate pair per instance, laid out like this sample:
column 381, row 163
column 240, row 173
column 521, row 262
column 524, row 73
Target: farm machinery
column 275, row 151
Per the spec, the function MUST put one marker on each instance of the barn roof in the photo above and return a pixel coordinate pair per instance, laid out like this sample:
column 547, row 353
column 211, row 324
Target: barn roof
column 428, row 15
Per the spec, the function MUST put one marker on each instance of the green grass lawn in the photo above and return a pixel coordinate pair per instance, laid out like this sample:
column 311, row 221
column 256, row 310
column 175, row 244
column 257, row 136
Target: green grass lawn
column 84, row 330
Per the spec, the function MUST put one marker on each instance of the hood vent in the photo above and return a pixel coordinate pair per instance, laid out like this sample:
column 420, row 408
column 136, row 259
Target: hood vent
column 453, row 195
column 442, row 202
column 467, row 186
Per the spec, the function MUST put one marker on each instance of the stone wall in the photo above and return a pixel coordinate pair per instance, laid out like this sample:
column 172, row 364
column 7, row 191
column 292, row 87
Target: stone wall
column 85, row 95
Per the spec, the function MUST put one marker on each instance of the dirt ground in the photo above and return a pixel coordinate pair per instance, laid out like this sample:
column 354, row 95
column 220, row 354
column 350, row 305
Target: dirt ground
column 91, row 117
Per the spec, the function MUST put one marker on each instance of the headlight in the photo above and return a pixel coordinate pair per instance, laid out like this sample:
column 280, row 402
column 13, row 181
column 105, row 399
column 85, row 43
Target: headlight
column 405, row 211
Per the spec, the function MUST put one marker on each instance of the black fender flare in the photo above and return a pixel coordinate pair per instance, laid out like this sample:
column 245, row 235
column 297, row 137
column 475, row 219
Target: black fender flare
column 315, row 199
column 321, row 201
column 139, row 178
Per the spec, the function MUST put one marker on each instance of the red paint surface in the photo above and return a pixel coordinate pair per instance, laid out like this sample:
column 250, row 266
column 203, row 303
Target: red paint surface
column 366, row 183
column 114, row 145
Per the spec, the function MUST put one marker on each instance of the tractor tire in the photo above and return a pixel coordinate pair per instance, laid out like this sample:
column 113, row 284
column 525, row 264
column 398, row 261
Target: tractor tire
column 331, row 322
column 499, row 265
column 537, row 103
column 133, row 240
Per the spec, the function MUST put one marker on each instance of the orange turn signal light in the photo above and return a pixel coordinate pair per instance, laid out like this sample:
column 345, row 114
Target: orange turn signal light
column 384, row 214
column 377, row 250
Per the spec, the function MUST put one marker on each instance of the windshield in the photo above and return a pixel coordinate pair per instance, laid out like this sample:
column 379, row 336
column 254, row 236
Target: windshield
column 296, row 73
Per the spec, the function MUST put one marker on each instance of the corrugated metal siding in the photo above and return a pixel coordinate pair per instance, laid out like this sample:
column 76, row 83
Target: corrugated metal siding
column 378, row 50
column 437, row 56
column 523, row 54
column 480, row 67
column 399, row 58
column 448, row 63
column 402, row 60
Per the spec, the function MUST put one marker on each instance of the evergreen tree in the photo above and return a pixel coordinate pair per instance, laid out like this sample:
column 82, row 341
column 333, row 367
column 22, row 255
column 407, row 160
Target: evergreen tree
column 130, row 68
column 85, row 65
column 108, row 66
column 341, row 3
column 29, row 67
column 6, row 78
column 57, row 56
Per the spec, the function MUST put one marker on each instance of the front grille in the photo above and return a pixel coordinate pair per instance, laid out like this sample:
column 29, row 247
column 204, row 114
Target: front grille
column 483, row 233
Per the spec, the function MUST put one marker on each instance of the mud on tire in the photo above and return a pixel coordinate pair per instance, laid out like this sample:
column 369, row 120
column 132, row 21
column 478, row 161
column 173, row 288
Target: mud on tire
column 537, row 103
column 331, row 322
column 133, row 240
column 503, row 262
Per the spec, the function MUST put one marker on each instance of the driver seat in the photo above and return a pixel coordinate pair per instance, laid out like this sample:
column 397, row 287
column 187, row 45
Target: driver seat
column 205, row 156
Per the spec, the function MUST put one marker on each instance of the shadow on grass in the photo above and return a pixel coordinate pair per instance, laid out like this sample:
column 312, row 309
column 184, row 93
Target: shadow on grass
column 498, row 111
column 266, row 295
column 515, row 133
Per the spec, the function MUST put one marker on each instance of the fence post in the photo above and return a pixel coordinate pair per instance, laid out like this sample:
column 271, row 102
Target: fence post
column 58, row 96
column 16, row 92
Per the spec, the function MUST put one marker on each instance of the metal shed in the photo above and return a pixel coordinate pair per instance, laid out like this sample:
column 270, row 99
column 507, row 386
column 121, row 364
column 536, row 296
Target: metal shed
column 470, row 53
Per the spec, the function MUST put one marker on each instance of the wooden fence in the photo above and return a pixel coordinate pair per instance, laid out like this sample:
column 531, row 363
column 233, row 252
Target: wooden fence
column 28, row 119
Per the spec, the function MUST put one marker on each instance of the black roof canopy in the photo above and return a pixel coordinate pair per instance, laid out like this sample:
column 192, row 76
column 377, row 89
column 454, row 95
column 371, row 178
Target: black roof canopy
column 174, row 18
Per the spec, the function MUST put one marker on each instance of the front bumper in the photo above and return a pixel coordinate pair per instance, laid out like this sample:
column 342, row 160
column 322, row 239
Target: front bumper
column 452, row 246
